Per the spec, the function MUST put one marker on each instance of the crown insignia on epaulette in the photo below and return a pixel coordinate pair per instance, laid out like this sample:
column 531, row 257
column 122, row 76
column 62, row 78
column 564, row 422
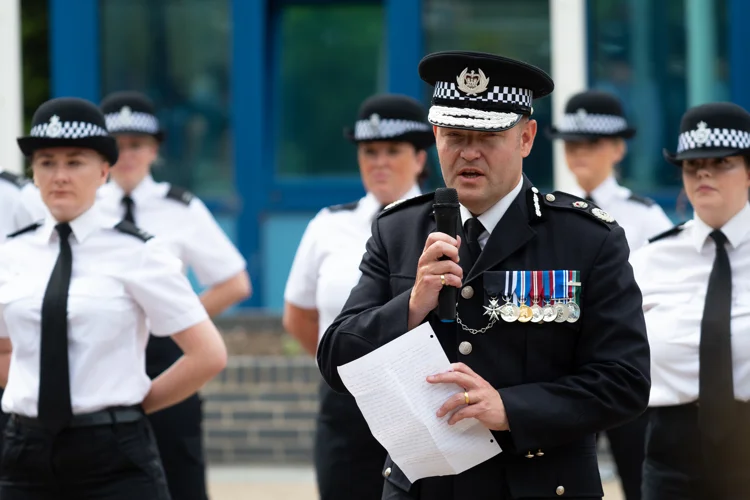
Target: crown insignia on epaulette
column 601, row 214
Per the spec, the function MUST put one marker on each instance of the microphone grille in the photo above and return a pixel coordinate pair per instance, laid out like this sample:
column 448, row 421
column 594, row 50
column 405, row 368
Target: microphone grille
column 446, row 196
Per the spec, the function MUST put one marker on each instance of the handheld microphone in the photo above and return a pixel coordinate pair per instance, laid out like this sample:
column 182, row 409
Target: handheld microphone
column 447, row 217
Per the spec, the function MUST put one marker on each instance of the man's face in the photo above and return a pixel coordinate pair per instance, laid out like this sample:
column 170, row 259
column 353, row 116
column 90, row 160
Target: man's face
column 483, row 166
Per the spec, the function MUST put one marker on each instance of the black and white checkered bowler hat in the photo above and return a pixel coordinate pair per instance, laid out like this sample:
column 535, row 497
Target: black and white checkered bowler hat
column 592, row 115
column 69, row 122
column 392, row 117
column 131, row 113
column 479, row 91
column 714, row 130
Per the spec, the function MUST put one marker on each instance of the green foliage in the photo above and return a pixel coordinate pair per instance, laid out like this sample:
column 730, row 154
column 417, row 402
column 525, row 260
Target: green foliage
column 35, row 60
column 331, row 60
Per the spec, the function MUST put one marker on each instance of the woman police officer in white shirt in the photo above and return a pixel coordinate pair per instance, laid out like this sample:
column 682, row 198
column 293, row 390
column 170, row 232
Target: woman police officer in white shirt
column 190, row 232
column 695, row 280
column 391, row 134
column 594, row 130
column 76, row 294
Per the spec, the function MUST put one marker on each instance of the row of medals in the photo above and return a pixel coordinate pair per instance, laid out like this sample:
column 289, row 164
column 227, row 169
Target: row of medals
column 559, row 312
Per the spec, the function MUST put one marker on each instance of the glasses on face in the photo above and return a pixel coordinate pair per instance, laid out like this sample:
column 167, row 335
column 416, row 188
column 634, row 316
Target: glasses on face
column 712, row 165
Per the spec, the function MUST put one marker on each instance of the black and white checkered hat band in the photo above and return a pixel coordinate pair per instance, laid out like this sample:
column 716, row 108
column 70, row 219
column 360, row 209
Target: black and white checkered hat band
column 67, row 130
column 507, row 95
column 713, row 137
column 591, row 123
column 132, row 122
column 368, row 130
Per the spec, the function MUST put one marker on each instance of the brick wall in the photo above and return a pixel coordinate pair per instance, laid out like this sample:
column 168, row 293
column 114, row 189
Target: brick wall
column 262, row 409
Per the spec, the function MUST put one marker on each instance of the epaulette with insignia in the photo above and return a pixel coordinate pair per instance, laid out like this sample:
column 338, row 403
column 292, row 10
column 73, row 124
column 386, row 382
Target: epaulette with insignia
column 642, row 200
column 133, row 230
column 567, row 201
column 669, row 232
column 398, row 205
column 344, row 207
column 27, row 229
column 179, row 194
column 14, row 179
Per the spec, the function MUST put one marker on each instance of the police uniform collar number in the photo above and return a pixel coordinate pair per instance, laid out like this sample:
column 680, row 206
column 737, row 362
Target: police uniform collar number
column 714, row 130
column 479, row 91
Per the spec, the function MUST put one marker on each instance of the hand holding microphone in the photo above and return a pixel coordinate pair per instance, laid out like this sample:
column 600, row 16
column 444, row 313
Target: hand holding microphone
column 438, row 273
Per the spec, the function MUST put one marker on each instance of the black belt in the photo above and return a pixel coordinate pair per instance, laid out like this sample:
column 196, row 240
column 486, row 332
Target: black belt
column 108, row 416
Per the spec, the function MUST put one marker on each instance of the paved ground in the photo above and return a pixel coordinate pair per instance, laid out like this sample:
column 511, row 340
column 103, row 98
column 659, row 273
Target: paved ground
column 290, row 483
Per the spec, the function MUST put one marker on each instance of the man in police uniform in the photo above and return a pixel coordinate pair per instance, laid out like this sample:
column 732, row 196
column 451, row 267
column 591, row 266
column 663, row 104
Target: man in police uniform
column 549, row 341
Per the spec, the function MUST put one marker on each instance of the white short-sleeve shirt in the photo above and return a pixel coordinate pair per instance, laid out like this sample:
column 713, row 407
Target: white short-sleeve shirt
column 326, row 265
column 185, row 225
column 119, row 283
column 640, row 218
column 673, row 273
column 10, row 201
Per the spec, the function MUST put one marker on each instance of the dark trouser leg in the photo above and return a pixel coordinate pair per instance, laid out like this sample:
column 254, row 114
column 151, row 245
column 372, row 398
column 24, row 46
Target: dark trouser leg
column 348, row 460
column 178, row 430
column 179, row 435
column 107, row 462
column 681, row 465
column 628, row 444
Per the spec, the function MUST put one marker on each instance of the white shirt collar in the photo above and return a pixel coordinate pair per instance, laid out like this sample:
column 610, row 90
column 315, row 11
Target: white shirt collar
column 604, row 192
column 736, row 229
column 82, row 226
column 140, row 194
column 492, row 216
column 370, row 206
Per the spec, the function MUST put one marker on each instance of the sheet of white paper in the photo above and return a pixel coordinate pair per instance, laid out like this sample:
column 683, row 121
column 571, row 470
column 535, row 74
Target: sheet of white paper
column 399, row 405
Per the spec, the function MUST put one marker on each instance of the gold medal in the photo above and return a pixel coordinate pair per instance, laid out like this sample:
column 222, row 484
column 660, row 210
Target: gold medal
column 525, row 314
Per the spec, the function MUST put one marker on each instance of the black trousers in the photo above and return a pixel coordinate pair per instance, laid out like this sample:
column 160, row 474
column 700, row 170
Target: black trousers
column 117, row 461
column 628, row 445
column 178, row 430
column 348, row 460
column 681, row 465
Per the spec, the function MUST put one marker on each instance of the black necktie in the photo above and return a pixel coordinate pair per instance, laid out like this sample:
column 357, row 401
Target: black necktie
column 472, row 229
column 589, row 197
column 54, row 377
column 129, row 204
column 717, row 404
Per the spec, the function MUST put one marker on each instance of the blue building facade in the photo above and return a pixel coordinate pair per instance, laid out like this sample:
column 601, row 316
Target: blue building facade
column 254, row 94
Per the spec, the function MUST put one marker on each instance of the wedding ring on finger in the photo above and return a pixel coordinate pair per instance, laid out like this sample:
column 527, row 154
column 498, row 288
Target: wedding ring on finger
column 466, row 397
column 442, row 279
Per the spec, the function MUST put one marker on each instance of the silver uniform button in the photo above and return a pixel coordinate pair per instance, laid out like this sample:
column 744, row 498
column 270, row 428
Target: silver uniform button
column 560, row 490
column 550, row 197
column 467, row 292
column 387, row 472
column 465, row 348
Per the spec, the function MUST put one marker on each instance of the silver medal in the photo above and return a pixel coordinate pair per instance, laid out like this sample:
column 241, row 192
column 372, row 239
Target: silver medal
column 574, row 312
column 510, row 312
column 561, row 311
column 537, row 314
column 548, row 313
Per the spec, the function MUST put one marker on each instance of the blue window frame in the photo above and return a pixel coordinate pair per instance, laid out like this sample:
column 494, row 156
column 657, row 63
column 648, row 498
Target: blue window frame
column 74, row 48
